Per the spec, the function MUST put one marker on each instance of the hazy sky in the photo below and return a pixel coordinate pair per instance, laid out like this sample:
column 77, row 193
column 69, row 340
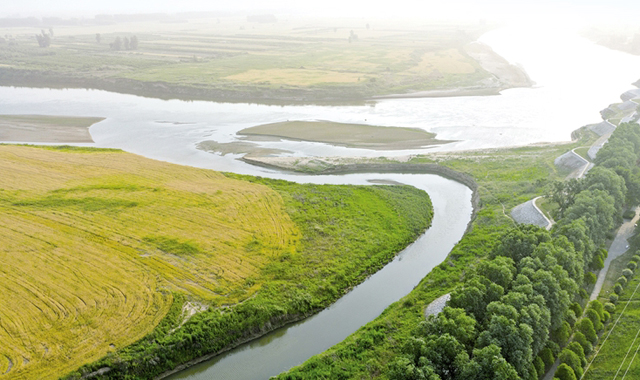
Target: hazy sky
column 428, row 9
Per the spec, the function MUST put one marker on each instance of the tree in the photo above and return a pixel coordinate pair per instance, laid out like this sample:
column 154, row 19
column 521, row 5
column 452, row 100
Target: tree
column 488, row 363
column 519, row 242
column 116, row 44
column 134, row 43
column 43, row 40
column 452, row 321
column 514, row 341
column 126, row 43
column 51, row 32
column 585, row 326
column 98, row 38
column 501, row 270
column 564, row 372
column 582, row 340
column 571, row 359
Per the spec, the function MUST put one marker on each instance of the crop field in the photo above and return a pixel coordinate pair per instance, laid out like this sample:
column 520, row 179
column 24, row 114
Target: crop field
column 94, row 244
column 230, row 51
column 99, row 247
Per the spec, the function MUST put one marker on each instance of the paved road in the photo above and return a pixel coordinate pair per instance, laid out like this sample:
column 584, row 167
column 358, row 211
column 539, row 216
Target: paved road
column 618, row 247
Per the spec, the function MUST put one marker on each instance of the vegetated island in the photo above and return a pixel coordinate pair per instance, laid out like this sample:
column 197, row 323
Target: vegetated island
column 346, row 134
column 233, row 59
column 49, row 129
column 126, row 266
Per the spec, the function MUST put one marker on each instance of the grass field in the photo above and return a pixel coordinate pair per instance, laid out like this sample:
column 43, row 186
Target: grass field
column 617, row 357
column 232, row 54
column 352, row 135
column 96, row 245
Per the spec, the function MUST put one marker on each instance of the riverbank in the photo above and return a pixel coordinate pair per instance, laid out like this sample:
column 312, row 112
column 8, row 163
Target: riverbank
column 49, row 129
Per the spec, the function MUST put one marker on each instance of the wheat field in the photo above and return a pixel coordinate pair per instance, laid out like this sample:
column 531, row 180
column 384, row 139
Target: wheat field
column 94, row 242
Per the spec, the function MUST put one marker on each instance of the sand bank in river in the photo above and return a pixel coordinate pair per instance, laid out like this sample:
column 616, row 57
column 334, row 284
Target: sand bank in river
column 349, row 135
column 47, row 129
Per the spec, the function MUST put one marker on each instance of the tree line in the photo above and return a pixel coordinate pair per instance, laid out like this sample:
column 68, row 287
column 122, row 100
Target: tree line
column 511, row 318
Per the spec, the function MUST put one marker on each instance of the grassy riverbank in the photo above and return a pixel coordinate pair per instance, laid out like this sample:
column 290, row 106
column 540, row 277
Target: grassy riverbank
column 103, row 246
column 232, row 59
column 505, row 178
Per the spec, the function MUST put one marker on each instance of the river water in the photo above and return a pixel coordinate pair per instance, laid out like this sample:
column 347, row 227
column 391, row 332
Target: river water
column 574, row 80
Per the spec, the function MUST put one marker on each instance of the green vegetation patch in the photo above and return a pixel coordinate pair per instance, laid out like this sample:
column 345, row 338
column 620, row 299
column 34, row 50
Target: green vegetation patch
column 352, row 135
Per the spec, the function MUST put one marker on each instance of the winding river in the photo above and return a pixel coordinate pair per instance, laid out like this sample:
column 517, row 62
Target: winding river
column 579, row 80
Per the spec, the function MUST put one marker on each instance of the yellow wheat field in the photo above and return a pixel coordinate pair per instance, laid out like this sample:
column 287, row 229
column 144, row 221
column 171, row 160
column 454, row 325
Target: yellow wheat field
column 92, row 244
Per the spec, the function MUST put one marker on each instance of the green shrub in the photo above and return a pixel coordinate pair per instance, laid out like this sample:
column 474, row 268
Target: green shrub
column 564, row 372
column 583, row 294
column 635, row 258
column 607, row 316
column 597, row 263
column 562, row 334
column 632, row 265
column 610, row 307
column 571, row 318
column 613, row 298
column 585, row 326
column 577, row 309
column 622, row 280
column 598, row 307
column 547, row 357
column 577, row 348
column 571, row 359
column 629, row 214
column 617, row 289
column 627, row 273
column 595, row 319
column 539, row 365
column 579, row 338
column 590, row 278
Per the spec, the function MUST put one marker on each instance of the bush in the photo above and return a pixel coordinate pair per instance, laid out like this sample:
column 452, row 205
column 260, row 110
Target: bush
column 590, row 278
column 571, row 318
column 632, row 265
column 629, row 214
column 585, row 326
column 597, row 306
column 547, row 357
column 583, row 294
column 564, row 372
column 617, row 289
column 595, row 319
column 577, row 348
column 607, row 316
column 622, row 280
column 577, row 309
column 610, row 307
column 539, row 364
column 613, row 298
column 627, row 273
column 562, row 334
column 635, row 258
column 572, row 360
column 597, row 263
column 579, row 338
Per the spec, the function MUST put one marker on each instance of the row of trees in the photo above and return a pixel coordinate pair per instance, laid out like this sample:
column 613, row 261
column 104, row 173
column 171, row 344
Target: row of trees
column 123, row 43
column 510, row 319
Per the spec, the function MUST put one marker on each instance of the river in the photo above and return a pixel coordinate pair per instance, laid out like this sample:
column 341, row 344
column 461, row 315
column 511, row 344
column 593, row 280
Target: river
column 574, row 80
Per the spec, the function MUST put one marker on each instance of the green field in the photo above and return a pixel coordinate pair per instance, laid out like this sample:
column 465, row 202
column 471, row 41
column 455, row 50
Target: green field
column 100, row 246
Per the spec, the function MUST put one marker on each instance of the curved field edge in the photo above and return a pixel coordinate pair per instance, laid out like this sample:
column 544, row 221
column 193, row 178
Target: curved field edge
column 113, row 251
column 503, row 178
